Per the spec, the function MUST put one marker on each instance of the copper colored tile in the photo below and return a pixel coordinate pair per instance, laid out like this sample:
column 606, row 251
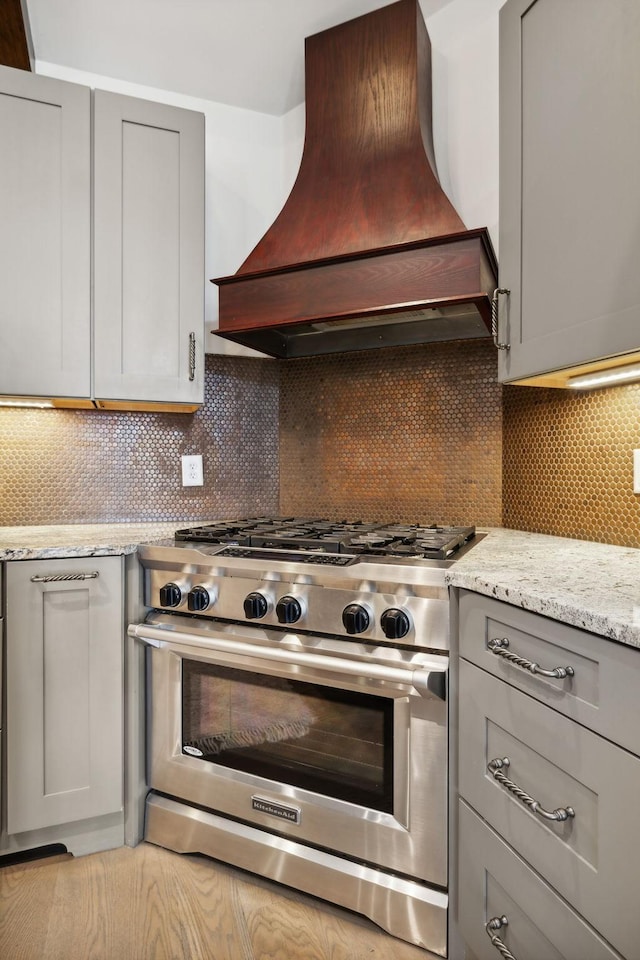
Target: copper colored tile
column 408, row 433
column 403, row 433
column 568, row 465
column 75, row 466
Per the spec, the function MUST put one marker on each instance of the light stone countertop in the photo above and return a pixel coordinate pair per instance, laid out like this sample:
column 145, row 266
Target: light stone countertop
column 589, row 585
column 80, row 539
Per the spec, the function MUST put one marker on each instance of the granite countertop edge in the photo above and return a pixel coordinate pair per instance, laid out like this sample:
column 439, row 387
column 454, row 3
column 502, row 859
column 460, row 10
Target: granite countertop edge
column 80, row 540
column 593, row 586
column 589, row 585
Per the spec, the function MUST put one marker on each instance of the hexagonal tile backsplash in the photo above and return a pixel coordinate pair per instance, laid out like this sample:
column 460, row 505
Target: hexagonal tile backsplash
column 420, row 432
column 402, row 433
column 79, row 466
column 568, row 466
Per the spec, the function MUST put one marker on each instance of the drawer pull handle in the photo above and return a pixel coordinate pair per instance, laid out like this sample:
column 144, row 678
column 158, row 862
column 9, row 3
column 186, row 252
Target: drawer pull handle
column 495, row 766
column 59, row 577
column 496, row 923
column 499, row 647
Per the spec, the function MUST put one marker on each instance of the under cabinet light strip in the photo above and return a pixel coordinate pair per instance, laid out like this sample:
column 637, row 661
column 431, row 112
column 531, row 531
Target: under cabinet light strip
column 41, row 404
column 604, row 378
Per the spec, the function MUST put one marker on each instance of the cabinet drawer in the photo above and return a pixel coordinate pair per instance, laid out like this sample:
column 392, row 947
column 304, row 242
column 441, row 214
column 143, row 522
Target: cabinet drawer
column 602, row 694
column 591, row 858
column 496, row 883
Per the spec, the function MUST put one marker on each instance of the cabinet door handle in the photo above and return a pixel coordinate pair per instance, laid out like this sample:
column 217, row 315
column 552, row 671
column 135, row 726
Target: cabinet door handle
column 58, row 577
column 496, row 923
column 494, row 318
column 495, row 766
column 192, row 356
column 499, row 647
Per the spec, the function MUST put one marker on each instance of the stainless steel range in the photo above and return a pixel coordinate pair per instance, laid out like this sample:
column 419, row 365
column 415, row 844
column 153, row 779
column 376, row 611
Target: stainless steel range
column 297, row 691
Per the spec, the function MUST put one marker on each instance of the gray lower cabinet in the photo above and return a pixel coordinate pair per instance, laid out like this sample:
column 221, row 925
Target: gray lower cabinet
column 569, row 197
column 64, row 689
column 110, row 184
column 1, row 695
column 600, row 690
column 495, row 884
column 548, row 783
column 45, row 236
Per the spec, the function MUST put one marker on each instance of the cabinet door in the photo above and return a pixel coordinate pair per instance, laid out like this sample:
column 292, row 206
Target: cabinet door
column 569, row 197
column 1, row 695
column 64, row 691
column 591, row 857
column 495, row 883
column 45, row 236
column 148, row 251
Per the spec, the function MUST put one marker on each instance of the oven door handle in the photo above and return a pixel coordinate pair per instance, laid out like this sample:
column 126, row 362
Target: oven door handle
column 429, row 680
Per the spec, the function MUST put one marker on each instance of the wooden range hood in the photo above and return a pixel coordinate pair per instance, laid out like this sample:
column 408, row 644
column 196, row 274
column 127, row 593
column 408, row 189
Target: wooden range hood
column 367, row 251
column 16, row 47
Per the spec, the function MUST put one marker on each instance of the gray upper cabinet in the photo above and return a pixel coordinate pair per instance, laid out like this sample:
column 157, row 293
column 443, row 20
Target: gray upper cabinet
column 45, row 236
column 145, row 312
column 148, row 250
column 569, row 185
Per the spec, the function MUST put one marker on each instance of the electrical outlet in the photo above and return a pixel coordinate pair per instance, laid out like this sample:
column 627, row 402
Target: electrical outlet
column 192, row 475
column 636, row 471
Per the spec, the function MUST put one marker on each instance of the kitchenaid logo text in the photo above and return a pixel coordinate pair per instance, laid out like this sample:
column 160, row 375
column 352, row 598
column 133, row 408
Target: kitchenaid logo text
column 292, row 814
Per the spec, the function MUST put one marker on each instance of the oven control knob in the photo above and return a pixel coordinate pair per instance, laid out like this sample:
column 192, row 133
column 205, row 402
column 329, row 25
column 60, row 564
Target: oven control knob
column 395, row 624
column 288, row 610
column 255, row 606
column 170, row 595
column 198, row 599
column 355, row 618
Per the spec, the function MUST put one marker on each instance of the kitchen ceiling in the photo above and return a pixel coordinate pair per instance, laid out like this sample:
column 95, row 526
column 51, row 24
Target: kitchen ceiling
column 244, row 53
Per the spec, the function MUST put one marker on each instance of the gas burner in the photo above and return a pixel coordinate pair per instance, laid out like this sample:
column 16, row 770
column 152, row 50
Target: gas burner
column 371, row 540
column 405, row 550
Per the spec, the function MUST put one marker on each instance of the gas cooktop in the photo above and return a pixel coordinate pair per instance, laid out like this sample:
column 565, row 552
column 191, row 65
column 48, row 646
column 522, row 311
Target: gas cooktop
column 314, row 535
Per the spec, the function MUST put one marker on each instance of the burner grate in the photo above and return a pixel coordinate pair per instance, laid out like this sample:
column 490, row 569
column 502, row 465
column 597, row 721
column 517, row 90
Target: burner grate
column 435, row 541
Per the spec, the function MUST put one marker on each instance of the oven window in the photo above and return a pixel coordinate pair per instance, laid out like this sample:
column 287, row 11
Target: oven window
column 331, row 741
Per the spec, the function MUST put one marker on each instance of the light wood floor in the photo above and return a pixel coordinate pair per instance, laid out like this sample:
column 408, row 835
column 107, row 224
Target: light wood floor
column 149, row 904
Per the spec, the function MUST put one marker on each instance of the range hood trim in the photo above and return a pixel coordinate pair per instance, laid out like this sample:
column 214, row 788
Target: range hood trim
column 444, row 272
column 480, row 232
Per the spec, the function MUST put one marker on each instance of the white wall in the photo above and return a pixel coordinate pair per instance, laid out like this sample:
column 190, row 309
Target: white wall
column 464, row 44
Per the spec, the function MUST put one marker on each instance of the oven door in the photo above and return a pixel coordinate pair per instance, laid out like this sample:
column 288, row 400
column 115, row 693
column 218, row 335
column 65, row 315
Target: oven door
column 335, row 744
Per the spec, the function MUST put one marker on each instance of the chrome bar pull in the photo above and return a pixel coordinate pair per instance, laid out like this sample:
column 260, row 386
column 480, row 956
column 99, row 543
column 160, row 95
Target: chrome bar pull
column 192, row 356
column 63, row 577
column 497, row 923
column 428, row 681
column 494, row 318
column 499, row 646
column 495, row 769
